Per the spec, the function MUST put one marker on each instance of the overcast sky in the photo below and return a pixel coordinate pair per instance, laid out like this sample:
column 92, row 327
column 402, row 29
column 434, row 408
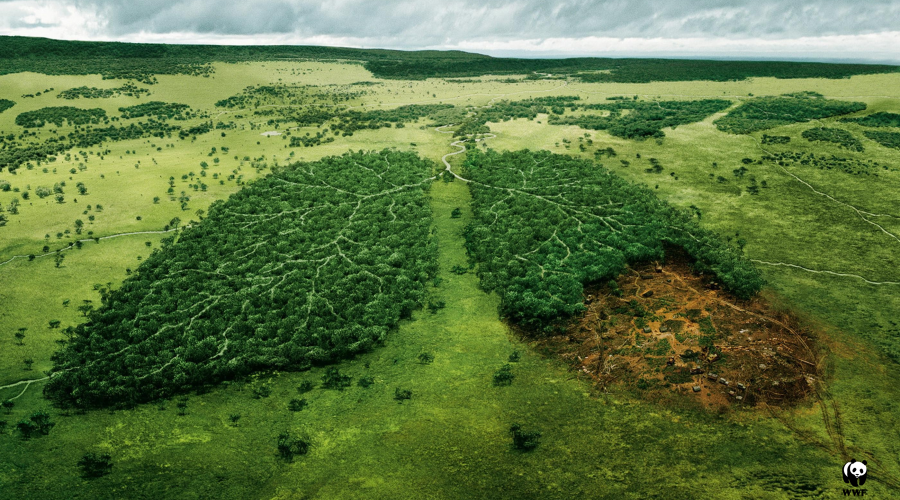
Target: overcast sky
column 866, row 30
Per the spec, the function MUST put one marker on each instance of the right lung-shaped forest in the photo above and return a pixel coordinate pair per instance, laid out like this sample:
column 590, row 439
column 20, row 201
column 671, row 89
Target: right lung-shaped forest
column 545, row 225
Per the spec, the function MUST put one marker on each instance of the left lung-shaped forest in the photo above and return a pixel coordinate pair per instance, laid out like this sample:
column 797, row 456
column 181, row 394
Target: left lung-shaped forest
column 310, row 264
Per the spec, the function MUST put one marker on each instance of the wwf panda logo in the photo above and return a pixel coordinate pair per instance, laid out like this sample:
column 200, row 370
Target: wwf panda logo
column 855, row 472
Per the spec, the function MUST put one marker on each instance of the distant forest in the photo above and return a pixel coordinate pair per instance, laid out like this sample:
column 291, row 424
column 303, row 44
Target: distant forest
column 142, row 61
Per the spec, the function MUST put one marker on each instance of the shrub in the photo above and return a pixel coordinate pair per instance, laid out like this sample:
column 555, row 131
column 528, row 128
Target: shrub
column 523, row 440
column 94, row 465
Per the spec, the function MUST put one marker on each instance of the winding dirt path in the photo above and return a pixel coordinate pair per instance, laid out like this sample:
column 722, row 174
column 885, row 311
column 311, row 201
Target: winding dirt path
column 85, row 240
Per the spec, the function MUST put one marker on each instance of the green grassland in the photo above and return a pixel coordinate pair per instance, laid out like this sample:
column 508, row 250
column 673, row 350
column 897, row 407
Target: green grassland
column 451, row 439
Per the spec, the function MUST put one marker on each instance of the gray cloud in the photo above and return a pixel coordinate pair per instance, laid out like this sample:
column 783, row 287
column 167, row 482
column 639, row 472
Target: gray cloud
column 427, row 22
column 463, row 23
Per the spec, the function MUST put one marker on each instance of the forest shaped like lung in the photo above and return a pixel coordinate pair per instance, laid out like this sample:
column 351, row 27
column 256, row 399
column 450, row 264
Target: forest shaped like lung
column 313, row 263
column 545, row 225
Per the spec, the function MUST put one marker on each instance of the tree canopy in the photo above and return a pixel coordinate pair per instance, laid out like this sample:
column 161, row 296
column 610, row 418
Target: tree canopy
column 545, row 225
column 644, row 119
column 761, row 113
column 310, row 264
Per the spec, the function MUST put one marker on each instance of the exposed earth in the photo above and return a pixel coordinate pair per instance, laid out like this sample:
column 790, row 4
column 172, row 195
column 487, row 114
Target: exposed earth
column 665, row 329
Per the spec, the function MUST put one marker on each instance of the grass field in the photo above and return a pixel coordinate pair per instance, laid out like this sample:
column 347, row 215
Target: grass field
column 827, row 242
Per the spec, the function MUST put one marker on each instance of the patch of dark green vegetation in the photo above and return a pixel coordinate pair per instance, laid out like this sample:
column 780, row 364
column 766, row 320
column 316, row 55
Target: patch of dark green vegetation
column 524, row 440
column 196, row 130
column 504, row 376
column 15, row 154
column 38, row 423
column 509, row 110
column 311, row 264
column 290, row 95
column 297, row 404
column 886, row 139
column 351, row 121
column 401, row 395
column 158, row 110
column 837, row 136
column 416, row 65
column 308, row 141
column 140, row 61
column 59, row 115
column 761, row 113
column 6, row 104
column 336, row 380
column 129, row 90
column 545, row 225
column 879, row 119
column 775, row 139
column 290, row 446
column 94, row 465
column 644, row 119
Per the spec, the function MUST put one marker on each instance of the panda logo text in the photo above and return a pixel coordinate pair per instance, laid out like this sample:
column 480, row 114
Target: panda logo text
column 855, row 472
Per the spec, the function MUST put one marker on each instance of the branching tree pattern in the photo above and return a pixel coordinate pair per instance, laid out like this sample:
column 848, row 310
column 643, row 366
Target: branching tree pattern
column 310, row 264
column 546, row 224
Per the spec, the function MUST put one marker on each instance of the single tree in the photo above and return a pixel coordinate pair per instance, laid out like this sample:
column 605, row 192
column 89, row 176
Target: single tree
column 94, row 465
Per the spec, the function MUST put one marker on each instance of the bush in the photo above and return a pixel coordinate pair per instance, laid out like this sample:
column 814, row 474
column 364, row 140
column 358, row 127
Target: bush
column 94, row 465
column 402, row 394
column 504, row 376
column 289, row 446
column 297, row 404
column 334, row 379
column 522, row 440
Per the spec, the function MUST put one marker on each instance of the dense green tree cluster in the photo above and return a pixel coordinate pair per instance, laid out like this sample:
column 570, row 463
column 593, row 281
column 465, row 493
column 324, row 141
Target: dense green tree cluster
column 879, row 119
column 306, row 117
column 829, row 162
column 545, row 225
column 308, row 141
column 837, row 136
column 886, row 139
column 160, row 110
column 6, row 104
column 200, row 129
column 415, row 66
column 310, row 264
column 502, row 111
column 763, row 113
column 351, row 121
column 775, row 139
column 58, row 115
column 140, row 61
column 290, row 95
column 645, row 119
column 129, row 89
column 14, row 157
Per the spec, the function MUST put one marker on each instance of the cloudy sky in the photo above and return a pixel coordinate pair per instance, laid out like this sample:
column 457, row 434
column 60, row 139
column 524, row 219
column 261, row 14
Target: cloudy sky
column 772, row 29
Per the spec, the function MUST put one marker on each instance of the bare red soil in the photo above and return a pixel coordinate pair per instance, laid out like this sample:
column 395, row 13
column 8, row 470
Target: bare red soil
column 665, row 330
